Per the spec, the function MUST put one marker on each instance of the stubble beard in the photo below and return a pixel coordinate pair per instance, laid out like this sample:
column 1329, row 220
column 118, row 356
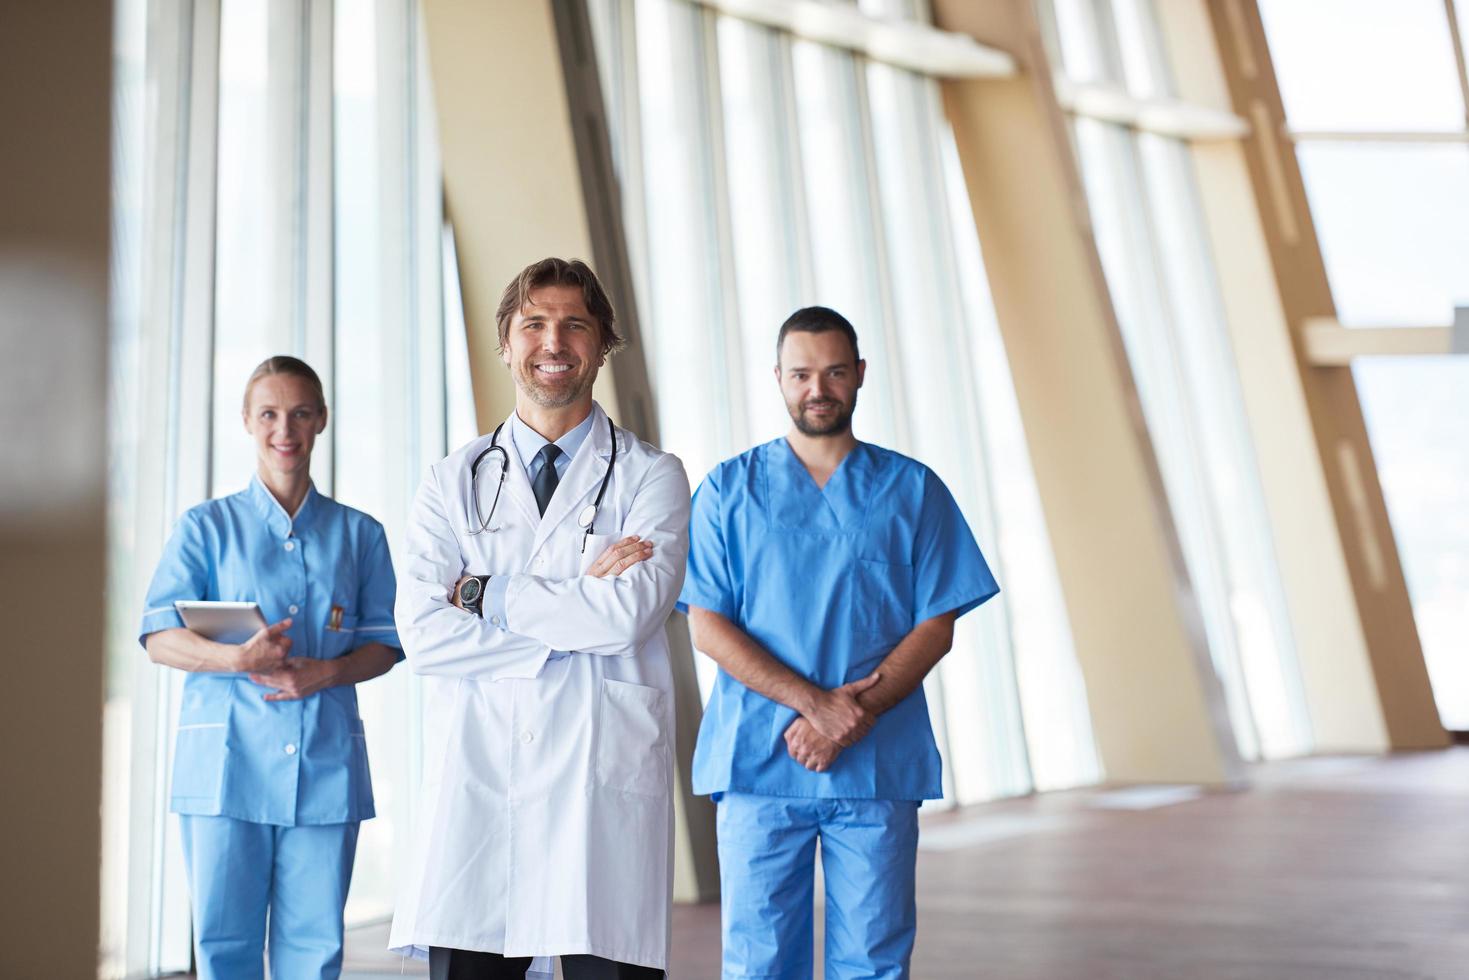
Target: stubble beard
column 837, row 425
column 545, row 396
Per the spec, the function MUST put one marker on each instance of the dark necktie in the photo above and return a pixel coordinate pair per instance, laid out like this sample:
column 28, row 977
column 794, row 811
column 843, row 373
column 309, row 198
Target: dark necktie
column 544, row 485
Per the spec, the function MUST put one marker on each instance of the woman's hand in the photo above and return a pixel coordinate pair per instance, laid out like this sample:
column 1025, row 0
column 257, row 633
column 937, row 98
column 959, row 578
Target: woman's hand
column 620, row 556
column 297, row 678
column 266, row 650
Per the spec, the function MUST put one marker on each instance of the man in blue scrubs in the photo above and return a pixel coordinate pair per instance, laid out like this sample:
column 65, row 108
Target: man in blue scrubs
column 824, row 578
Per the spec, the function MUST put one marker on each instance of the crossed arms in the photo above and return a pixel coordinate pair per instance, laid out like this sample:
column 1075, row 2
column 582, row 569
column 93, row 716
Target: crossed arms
column 828, row 721
column 611, row 615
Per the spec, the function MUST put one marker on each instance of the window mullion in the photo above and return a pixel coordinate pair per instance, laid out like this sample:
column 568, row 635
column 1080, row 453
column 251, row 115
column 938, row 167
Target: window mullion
column 315, row 241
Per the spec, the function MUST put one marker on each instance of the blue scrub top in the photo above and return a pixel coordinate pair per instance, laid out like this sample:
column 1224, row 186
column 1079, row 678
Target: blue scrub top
column 828, row 581
column 277, row 762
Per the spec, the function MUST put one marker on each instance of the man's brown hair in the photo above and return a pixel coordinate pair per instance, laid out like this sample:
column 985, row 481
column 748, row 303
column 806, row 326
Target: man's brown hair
column 559, row 272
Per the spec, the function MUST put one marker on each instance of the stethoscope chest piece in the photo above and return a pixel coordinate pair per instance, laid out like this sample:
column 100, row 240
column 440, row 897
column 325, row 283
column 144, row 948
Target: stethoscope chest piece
column 588, row 514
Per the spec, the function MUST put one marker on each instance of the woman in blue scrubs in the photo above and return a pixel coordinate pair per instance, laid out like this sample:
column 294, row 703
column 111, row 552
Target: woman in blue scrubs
column 270, row 770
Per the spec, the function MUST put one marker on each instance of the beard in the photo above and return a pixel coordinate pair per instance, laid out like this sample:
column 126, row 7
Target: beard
column 550, row 396
column 837, row 424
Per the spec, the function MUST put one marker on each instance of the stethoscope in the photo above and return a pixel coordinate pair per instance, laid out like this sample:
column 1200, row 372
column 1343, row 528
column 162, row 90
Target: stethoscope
column 586, row 519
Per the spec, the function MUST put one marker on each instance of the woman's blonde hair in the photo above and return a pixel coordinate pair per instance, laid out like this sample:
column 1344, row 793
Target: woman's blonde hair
column 285, row 364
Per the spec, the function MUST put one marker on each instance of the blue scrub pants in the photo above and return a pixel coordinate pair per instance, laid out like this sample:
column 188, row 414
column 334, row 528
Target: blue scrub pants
column 240, row 870
column 767, row 852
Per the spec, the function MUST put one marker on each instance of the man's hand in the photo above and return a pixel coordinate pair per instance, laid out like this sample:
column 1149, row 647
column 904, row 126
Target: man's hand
column 809, row 747
column 454, row 592
column 297, row 678
column 266, row 650
column 837, row 715
column 620, row 556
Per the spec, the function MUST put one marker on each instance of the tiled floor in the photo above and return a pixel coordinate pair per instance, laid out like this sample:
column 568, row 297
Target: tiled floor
column 1327, row 869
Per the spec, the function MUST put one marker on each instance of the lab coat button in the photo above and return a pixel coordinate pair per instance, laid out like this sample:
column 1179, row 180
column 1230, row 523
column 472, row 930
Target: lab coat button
column 495, row 620
column 290, row 748
column 290, row 546
column 527, row 737
column 294, row 610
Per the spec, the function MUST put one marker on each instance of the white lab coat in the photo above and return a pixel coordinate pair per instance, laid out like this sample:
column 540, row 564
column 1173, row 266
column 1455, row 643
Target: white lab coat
column 545, row 823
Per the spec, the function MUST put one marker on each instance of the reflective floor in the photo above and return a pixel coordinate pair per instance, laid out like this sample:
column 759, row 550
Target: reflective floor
column 1327, row 869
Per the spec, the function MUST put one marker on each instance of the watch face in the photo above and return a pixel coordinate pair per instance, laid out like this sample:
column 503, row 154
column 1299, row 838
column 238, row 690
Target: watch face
column 469, row 591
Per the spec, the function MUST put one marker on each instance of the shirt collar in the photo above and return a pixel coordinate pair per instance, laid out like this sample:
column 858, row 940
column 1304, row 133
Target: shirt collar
column 528, row 441
column 275, row 515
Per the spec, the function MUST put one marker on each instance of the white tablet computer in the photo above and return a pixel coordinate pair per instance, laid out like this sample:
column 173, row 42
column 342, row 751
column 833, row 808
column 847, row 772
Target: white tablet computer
column 223, row 622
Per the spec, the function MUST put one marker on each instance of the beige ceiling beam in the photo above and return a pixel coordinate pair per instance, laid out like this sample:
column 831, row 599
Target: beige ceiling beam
column 1163, row 117
column 1156, row 703
column 1329, row 344
column 1336, row 451
column 905, row 44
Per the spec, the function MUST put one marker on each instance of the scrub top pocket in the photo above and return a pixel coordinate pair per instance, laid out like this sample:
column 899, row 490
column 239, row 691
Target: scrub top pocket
column 631, row 751
column 884, row 598
column 202, row 741
column 342, row 640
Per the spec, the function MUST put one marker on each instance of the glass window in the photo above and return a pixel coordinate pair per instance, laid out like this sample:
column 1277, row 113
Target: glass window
column 1052, row 693
column 124, row 590
column 1364, row 64
column 388, row 421
column 1082, row 30
column 978, row 703
column 1393, row 222
column 846, row 240
column 1417, row 412
column 256, row 242
column 1167, row 308
column 1159, row 273
column 766, row 205
column 1140, row 49
column 685, row 314
column 1204, row 358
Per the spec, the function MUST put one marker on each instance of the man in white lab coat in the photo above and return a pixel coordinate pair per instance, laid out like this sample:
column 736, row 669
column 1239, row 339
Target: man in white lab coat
column 541, row 564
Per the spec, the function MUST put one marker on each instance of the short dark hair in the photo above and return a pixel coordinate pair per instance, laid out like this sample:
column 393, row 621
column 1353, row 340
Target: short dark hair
column 559, row 272
column 817, row 319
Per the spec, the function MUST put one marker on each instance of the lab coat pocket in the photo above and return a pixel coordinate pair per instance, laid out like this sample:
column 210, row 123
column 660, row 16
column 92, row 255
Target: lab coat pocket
column 884, row 598
column 632, row 752
column 596, row 544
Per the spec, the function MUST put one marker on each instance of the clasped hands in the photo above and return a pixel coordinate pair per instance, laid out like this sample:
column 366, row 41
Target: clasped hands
column 264, row 658
column 832, row 721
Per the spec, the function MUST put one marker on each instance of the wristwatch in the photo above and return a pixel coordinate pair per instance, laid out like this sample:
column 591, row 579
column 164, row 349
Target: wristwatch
column 472, row 593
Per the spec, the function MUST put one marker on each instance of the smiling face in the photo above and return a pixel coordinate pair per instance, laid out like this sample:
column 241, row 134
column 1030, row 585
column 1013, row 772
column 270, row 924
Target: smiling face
column 819, row 376
column 284, row 417
column 554, row 348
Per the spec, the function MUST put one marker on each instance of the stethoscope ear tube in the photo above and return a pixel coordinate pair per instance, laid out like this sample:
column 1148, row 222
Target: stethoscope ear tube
column 495, row 447
column 602, row 490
